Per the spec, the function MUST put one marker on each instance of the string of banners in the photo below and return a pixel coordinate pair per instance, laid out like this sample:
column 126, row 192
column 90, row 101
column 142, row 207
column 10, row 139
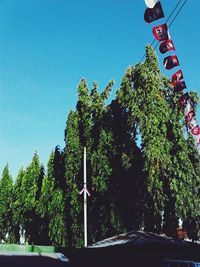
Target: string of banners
column 154, row 12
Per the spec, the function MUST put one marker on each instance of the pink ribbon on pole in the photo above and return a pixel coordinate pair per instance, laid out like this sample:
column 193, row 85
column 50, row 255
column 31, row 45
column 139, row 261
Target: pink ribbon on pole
column 85, row 190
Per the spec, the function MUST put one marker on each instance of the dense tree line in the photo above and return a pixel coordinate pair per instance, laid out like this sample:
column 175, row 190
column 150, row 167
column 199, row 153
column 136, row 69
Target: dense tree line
column 147, row 184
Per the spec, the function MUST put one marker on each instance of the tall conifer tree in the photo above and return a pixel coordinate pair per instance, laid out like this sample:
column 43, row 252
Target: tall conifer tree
column 150, row 183
column 73, row 165
column 52, row 202
column 6, row 188
column 17, row 208
column 150, row 110
column 184, row 181
column 29, row 190
column 128, row 177
column 101, row 209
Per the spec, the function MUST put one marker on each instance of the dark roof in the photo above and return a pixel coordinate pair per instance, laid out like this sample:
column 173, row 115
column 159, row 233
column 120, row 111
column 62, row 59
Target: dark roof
column 136, row 238
column 143, row 248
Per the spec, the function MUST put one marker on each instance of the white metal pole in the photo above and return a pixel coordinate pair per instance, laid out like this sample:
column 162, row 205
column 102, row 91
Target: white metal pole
column 85, row 198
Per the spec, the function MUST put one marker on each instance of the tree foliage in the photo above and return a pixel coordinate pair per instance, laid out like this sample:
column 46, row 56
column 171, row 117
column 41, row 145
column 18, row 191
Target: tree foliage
column 29, row 200
column 17, row 211
column 73, row 164
column 52, row 202
column 6, row 188
column 143, row 169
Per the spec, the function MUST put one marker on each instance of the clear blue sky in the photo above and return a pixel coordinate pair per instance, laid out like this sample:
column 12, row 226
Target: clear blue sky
column 47, row 46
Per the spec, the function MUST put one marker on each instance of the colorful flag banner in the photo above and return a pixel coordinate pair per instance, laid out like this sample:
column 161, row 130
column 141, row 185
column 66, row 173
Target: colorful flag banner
column 176, row 77
column 151, row 3
column 154, row 13
column 179, row 86
column 183, row 99
column 170, row 62
column 192, row 123
column 188, row 107
column 189, row 117
column 160, row 32
column 196, row 130
column 166, row 46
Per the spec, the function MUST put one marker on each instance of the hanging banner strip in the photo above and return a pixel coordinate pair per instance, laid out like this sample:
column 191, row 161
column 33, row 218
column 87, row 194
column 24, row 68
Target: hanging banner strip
column 170, row 62
column 177, row 77
column 166, row 46
column 189, row 118
column 154, row 13
column 161, row 32
column 179, row 86
column 192, row 123
column 183, row 99
column 196, row 135
column 196, row 130
column 188, row 107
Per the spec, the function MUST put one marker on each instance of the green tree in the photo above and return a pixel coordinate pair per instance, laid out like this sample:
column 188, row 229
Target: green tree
column 84, row 112
column 101, row 209
column 84, row 128
column 73, row 165
column 172, row 182
column 29, row 200
column 191, row 221
column 17, row 208
column 151, row 182
column 52, row 202
column 182, row 201
column 6, row 188
column 149, row 109
column 127, row 180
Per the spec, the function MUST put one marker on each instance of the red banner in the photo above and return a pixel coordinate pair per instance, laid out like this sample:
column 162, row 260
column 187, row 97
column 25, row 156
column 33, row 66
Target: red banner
column 166, row 46
column 196, row 130
column 192, row 123
column 190, row 116
column 176, row 77
column 179, row 86
column 170, row 62
column 183, row 99
column 161, row 32
column 154, row 13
